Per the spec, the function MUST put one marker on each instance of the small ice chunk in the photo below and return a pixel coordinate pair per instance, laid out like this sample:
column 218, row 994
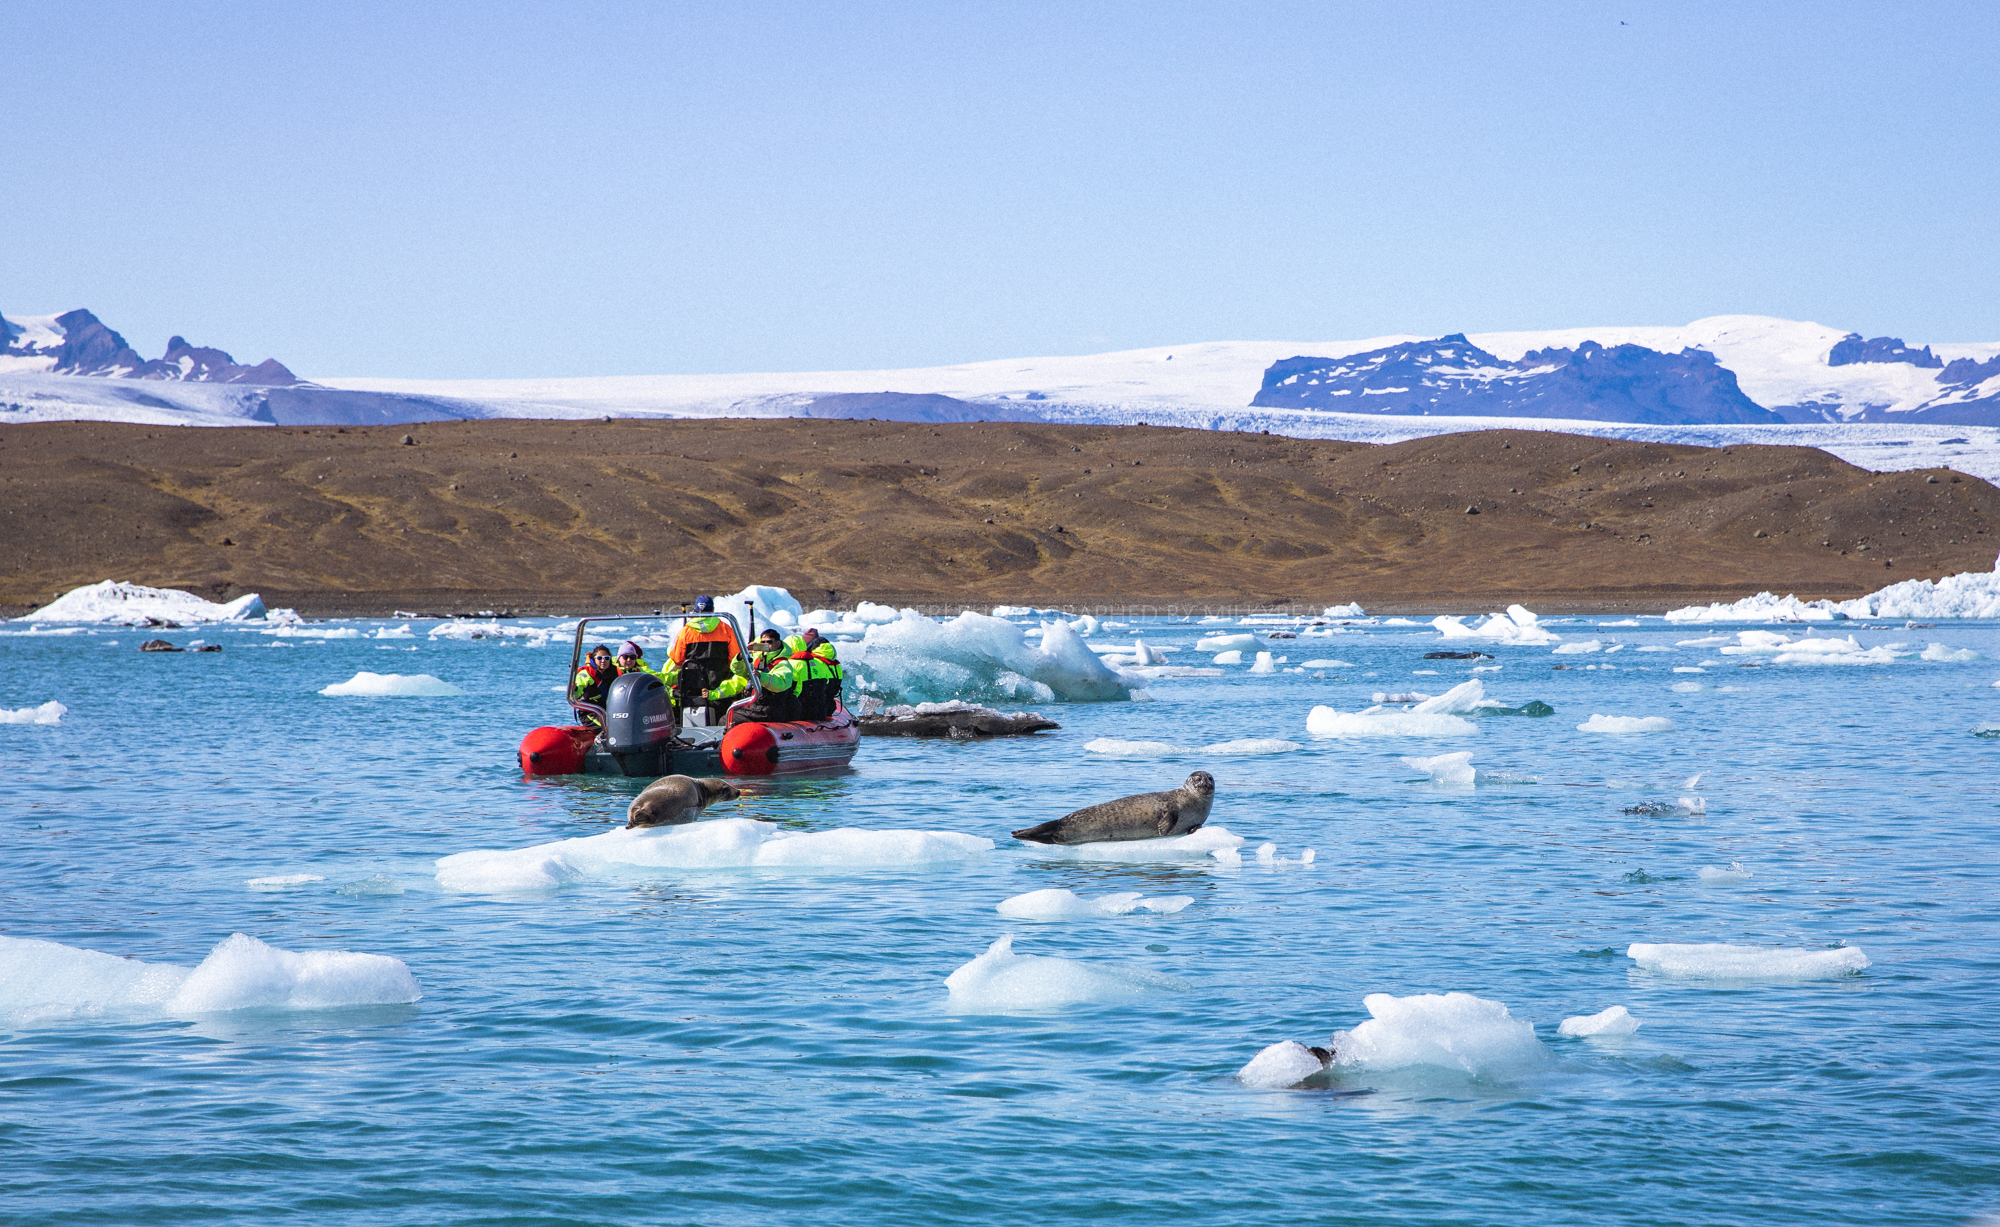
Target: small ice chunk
column 1231, row 657
column 1264, row 663
column 396, row 685
column 1688, row 687
column 1720, row 961
column 1251, row 746
column 1341, row 664
column 1379, row 722
column 1055, row 903
column 1614, row 1021
column 1453, row 1031
column 1219, row 643
column 1283, row 1064
column 1349, row 610
column 50, row 712
column 1625, row 724
column 1111, row 747
column 283, row 880
column 1735, row 875
column 1450, row 770
column 1578, row 649
column 1001, row 982
column 1938, row 651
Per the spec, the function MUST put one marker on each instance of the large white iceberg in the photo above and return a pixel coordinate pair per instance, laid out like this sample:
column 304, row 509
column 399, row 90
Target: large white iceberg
column 976, row 656
column 718, row 843
column 1517, row 625
column 1969, row 594
column 44, row 982
column 1002, row 982
column 126, row 604
column 1720, row 961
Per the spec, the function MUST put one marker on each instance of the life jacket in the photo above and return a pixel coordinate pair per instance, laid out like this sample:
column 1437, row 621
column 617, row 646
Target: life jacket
column 702, row 655
column 590, row 682
column 821, row 662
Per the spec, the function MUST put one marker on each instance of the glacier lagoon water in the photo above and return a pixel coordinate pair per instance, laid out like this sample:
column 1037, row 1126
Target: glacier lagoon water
column 752, row 1046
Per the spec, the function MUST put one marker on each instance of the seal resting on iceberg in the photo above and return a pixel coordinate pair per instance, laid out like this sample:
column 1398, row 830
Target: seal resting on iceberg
column 1148, row 815
column 674, row 799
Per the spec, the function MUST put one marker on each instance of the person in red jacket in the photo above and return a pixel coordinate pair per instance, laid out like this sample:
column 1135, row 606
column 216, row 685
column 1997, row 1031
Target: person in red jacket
column 592, row 680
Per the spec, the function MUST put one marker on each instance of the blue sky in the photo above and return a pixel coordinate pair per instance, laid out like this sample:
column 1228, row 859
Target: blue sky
column 521, row 189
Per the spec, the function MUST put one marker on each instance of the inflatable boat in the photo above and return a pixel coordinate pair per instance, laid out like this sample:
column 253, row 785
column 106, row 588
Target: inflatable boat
column 639, row 731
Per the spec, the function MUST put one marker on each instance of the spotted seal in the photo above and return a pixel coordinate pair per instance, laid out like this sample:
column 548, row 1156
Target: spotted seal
column 674, row 799
column 1148, row 815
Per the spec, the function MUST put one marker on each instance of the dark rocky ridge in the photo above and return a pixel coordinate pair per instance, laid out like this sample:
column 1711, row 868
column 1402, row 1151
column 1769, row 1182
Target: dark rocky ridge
column 626, row 515
column 1452, row 376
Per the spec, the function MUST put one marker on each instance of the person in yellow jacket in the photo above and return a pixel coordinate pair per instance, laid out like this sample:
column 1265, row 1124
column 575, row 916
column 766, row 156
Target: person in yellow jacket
column 592, row 680
column 819, row 681
column 632, row 659
column 776, row 677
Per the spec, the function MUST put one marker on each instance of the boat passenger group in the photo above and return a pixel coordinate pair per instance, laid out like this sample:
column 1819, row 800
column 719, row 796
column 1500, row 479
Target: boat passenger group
column 799, row 675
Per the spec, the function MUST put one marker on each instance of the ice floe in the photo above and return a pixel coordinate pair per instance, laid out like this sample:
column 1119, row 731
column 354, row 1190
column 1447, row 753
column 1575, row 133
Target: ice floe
column 283, row 881
column 1232, row 657
column 1218, row 643
column 1341, row 664
column 1612, row 1022
column 1809, row 650
column 392, row 685
column 50, row 712
column 1056, row 903
column 1734, row 875
column 1452, row 1031
column 126, row 604
column 974, row 655
column 1438, row 716
column 1517, row 625
column 1112, row 747
column 1625, row 724
column 1578, row 649
column 1720, row 961
column 1209, row 843
column 718, row 843
column 1266, row 664
column 1349, row 610
column 1944, row 652
column 1455, row 770
column 1002, row 982
column 45, row 982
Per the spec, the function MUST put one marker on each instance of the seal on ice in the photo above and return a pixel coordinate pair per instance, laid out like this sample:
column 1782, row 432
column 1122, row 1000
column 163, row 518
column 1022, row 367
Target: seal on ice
column 1148, row 815
column 674, row 799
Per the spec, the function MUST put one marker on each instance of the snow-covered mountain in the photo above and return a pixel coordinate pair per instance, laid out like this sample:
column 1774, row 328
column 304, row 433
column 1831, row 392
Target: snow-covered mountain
column 78, row 343
column 1879, row 403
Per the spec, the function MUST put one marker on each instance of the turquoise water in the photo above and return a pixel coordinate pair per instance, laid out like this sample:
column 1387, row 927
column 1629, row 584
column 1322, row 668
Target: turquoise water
column 755, row 1046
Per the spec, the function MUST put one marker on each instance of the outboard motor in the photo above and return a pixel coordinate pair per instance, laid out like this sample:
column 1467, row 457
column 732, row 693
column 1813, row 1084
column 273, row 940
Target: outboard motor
column 638, row 714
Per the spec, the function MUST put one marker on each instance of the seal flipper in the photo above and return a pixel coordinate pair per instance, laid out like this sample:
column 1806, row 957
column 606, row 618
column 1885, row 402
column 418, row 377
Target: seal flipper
column 1169, row 813
column 1042, row 833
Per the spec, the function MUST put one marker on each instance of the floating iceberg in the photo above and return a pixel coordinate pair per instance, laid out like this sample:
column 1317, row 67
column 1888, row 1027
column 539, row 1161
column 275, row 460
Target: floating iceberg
column 1970, row 594
column 1517, row 625
column 1438, row 716
column 1939, row 651
column 1614, row 1021
column 1718, row 961
column 718, row 843
column 1626, row 724
column 1578, row 649
column 1349, row 610
column 44, row 982
column 915, row 658
column 1808, row 650
column 1219, row 643
column 1456, row 771
column 1327, row 664
column 378, row 685
column 1056, row 903
column 1002, row 982
column 50, row 712
column 1265, row 664
column 1209, row 843
column 1453, row 1031
column 132, row 604
column 1231, row 657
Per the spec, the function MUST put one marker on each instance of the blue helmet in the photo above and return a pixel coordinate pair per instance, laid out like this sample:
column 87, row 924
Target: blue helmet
column 704, row 604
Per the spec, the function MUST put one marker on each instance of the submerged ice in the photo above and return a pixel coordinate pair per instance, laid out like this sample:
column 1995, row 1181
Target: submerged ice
column 1002, row 982
column 1721, row 961
column 1055, row 903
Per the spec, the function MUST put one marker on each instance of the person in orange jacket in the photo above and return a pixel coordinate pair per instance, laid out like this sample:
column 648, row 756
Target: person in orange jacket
column 701, row 659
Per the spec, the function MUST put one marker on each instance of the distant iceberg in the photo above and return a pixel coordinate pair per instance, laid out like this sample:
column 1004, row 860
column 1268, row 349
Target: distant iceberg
column 123, row 604
column 1517, row 625
column 1970, row 594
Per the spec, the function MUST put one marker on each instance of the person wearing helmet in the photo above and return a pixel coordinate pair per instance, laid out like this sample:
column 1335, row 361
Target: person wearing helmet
column 775, row 677
column 701, row 658
column 816, row 664
column 632, row 659
column 591, row 681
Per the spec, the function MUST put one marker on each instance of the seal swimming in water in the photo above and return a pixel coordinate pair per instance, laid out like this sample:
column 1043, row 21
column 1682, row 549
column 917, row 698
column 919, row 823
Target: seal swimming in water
column 674, row 799
column 1149, row 815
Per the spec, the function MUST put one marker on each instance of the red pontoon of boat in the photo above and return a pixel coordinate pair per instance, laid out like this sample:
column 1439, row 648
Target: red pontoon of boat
column 646, row 730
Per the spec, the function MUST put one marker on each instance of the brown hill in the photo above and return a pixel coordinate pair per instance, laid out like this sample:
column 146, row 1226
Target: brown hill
column 629, row 514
